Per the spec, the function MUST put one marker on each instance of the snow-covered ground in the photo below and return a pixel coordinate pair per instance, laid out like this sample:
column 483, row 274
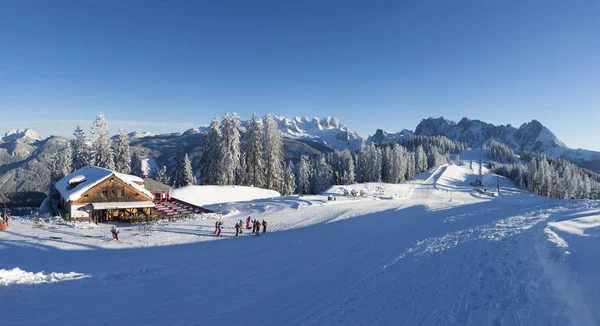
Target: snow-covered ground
column 430, row 251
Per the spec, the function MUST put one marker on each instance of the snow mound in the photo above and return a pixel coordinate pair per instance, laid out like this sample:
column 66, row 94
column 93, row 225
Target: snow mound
column 18, row 276
column 208, row 195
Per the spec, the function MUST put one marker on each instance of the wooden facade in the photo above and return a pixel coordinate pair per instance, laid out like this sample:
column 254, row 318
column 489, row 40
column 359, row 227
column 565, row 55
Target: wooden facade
column 107, row 195
column 116, row 191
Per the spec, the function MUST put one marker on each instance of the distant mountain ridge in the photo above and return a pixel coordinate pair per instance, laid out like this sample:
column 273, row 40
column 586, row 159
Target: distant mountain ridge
column 25, row 157
column 529, row 137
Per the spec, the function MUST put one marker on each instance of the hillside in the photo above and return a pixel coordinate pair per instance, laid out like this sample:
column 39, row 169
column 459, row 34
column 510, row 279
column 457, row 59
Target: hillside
column 529, row 137
column 25, row 158
column 437, row 254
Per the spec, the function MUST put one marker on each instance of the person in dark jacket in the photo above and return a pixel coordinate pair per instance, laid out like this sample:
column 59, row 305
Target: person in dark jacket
column 219, row 226
column 253, row 226
column 237, row 229
column 216, row 227
column 264, row 224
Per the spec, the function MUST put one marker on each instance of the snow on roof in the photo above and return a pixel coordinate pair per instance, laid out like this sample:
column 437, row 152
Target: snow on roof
column 208, row 195
column 93, row 175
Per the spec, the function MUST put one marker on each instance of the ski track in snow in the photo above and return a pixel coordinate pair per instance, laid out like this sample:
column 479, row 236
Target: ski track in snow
column 433, row 254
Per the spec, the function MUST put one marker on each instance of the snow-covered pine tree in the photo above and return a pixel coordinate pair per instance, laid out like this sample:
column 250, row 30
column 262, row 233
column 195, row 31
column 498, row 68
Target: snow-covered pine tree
column 178, row 177
column 231, row 147
column 362, row 168
column 60, row 166
column 304, row 175
column 101, row 146
column 289, row 179
column 398, row 164
column 212, row 155
column 273, row 148
column 342, row 164
column 323, row 175
column 67, row 160
column 387, row 174
column 80, row 151
column 188, row 174
column 254, row 153
column 123, row 152
column 410, row 165
column 136, row 165
column 161, row 175
column 420, row 160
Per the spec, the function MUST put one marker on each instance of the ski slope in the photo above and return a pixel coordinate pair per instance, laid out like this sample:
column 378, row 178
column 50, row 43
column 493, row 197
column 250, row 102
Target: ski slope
column 430, row 251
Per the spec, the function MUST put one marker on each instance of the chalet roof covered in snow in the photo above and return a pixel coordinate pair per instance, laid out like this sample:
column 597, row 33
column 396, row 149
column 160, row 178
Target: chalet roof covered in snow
column 74, row 185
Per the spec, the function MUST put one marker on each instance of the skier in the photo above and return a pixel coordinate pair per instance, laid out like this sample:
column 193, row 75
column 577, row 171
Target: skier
column 219, row 225
column 257, row 227
column 241, row 228
column 248, row 223
column 253, row 226
column 216, row 227
column 264, row 224
column 115, row 232
column 2, row 224
column 237, row 229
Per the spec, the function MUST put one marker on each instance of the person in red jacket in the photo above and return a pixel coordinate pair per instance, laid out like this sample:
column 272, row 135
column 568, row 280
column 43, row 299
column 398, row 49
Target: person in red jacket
column 248, row 223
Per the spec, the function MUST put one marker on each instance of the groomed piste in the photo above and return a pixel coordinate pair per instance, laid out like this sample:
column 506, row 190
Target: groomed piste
column 430, row 251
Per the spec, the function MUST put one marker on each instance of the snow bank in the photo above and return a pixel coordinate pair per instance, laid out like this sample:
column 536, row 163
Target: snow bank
column 208, row 195
column 18, row 276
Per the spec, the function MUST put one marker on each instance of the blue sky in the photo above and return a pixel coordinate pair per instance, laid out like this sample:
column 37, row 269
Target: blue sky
column 166, row 66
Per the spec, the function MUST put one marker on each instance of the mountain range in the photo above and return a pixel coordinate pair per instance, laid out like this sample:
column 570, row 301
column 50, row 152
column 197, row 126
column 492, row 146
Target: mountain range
column 25, row 157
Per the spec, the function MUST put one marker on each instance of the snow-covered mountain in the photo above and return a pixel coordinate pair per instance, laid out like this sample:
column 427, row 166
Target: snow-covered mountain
column 25, row 135
column 529, row 137
column 141, row 134
column 384, row 137
column 328, row 131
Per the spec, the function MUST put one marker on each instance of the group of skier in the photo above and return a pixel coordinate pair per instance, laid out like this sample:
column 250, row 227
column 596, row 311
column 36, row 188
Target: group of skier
column 256, row 225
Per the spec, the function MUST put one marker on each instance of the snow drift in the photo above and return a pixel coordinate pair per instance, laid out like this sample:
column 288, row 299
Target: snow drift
column 18, row 276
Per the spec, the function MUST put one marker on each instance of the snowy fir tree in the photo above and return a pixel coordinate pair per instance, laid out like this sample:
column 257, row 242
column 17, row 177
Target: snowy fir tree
column 123, row 153
column 161, row 175
column 188, row 175
column 323, row 175
column 289, row 180
column 182, row 174
column 137, row 166
column 254, row 153
column 342, row 165
column 230, row 141
column 303, row 175
column 273, row 148
column 101, row 146
column 212, row 155
column 420, row 160
column 60, row 166
column 80, row 151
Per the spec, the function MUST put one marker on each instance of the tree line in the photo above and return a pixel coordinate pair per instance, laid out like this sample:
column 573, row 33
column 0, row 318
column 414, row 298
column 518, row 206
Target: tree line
column 545, row 176
column 253, row 156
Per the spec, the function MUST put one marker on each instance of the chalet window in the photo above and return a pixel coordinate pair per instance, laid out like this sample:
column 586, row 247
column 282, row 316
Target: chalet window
column 104, row 193
column 120, row 192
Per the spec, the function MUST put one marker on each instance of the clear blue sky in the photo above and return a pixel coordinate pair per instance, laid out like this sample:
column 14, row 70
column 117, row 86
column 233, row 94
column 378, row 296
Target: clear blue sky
column 171, row 65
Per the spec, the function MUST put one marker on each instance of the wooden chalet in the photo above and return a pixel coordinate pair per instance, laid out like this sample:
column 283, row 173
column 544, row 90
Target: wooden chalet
column 97, row 194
